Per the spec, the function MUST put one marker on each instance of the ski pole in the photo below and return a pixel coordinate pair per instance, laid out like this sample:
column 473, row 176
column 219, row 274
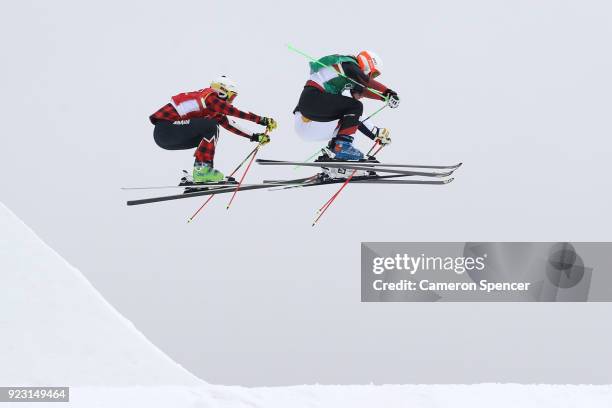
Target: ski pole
column 200, row 209
column 332, row 197
column 374, row 91
column 377, row 150
column 243, row 176
column 375, row 113
column 244, row 161
column 212, row 195
column 329, row 202
column 308, row 159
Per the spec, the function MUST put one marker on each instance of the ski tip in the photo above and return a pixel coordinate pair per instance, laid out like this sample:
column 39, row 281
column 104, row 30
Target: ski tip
column 449, row 180
column 460, row 164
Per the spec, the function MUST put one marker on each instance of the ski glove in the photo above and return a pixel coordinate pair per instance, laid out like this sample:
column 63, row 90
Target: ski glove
column 261, row 138
column 382, row 136
column 269, row 123
column 392, row 99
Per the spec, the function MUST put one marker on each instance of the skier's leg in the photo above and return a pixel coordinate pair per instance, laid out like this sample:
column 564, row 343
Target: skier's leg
column 325, row 107
column 201, row 133
column 207, row 133
column 203, row 170
column 311, row 131
column 175, row 135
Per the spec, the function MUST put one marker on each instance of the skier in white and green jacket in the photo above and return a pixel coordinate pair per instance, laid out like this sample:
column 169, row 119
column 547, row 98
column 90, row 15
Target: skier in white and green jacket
column 322, row 99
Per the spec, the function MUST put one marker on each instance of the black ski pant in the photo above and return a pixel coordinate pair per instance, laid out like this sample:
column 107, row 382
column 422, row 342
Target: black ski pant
column 326, row 107
column 189, row 134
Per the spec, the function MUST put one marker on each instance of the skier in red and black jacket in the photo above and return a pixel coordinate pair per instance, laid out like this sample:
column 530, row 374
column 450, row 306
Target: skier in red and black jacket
column 192, row 119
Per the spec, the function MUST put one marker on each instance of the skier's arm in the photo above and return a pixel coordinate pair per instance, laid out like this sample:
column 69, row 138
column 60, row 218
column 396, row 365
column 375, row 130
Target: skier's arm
column 352, row 71
column 367, row 131
column 389, row 95
column 380, row 135
column 218, row 105
column 377, row 86
column 225, row 122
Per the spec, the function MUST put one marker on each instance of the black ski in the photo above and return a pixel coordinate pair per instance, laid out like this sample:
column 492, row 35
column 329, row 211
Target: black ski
column 359, row 166
column 192, row 187
column 265, row 162
column 368, row 180
column 289, row 184
column 197, row 194
column 320, row 180
column 433, row 182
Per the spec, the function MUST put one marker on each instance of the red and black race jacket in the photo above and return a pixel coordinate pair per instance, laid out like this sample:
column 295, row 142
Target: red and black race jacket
column 203, row 104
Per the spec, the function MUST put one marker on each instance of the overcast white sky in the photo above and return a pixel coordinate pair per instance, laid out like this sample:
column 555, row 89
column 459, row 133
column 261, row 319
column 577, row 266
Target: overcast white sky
column 520, row 91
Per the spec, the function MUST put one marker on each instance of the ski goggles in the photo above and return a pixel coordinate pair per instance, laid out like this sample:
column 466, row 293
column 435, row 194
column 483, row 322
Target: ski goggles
column 231, row 95
column 227, row 94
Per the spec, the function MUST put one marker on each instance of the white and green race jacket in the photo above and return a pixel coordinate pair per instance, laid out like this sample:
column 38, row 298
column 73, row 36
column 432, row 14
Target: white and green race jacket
column 325, row 71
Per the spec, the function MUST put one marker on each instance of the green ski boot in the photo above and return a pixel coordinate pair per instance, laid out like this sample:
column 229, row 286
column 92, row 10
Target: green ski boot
column 205, row 173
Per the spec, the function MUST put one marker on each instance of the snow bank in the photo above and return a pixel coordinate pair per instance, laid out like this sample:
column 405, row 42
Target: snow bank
column 421, row 396
column 354, row 396
column 56, row 329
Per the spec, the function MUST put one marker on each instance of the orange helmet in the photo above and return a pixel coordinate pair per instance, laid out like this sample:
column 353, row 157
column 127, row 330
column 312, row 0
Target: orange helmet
column 370, row 63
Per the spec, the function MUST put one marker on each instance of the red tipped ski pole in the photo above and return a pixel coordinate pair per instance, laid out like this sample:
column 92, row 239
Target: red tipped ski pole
column 332, row 197
column 243, row 176
column 200, row 209
column 329, row 202
column 212, row 195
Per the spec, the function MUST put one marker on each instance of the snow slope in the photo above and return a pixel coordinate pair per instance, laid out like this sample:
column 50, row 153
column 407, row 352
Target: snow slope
column 56, row 329
column 349, row 396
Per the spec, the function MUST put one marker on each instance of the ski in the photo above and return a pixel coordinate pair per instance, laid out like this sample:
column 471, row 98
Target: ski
column 265, row 162
column 290, row 184
column 373, row 180
column 359, row 166
column 432, row 182
column 186, row 183
column 192, row 187
column 317, row 180
column 195, row 194
column 294, row 181
column 222, row 190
